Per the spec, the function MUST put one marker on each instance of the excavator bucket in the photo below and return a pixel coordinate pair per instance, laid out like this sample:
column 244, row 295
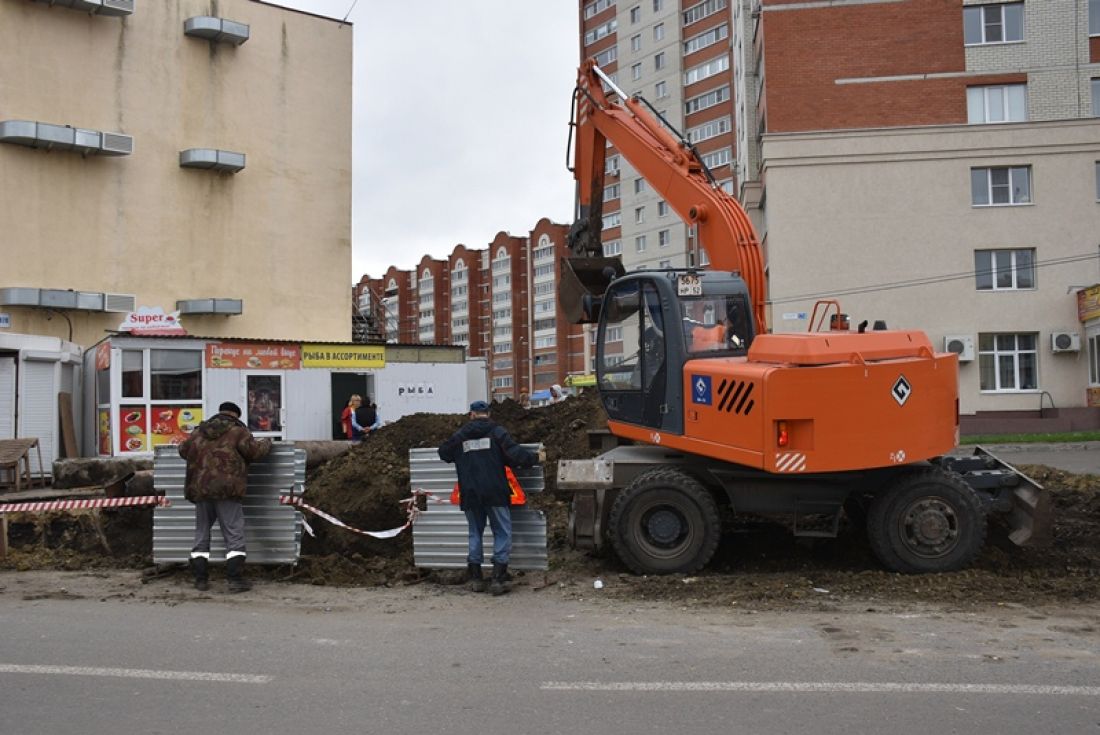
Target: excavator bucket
column 1030, row 519
column 583, row 284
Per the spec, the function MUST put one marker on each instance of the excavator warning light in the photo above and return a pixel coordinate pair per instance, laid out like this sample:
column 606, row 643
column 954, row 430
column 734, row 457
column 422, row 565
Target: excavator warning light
column 782, row 437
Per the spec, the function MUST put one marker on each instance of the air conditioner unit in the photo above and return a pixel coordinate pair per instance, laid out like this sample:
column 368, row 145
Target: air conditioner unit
column 1065, row 342
column 961, row 344
column 120, row 302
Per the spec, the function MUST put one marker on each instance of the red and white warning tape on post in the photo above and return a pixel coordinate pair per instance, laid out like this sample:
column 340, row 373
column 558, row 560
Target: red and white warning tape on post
column 144, row 500
column 412, row 509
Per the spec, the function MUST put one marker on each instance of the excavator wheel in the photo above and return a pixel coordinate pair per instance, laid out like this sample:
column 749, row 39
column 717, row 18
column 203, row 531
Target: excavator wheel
column 927, row 521
column 664, row 522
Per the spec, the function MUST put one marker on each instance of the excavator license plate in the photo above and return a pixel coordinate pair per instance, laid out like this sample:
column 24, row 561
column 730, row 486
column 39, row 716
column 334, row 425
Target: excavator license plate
column 689, row 284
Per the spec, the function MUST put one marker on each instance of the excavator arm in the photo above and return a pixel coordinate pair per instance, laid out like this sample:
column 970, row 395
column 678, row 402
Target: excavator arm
column 673, row 169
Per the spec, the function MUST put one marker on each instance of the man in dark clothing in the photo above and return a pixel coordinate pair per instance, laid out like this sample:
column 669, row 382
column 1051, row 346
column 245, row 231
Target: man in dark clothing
column 218, row 453
column 480, row 450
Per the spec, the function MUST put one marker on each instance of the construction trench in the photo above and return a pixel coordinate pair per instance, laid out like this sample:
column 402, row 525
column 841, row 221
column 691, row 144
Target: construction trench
column 759, row 566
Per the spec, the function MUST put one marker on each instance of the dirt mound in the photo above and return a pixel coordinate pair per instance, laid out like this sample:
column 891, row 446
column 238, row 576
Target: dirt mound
column 760, row 565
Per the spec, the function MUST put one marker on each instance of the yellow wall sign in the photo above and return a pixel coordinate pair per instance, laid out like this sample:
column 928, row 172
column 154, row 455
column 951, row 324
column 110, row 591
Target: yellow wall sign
column 1088, row 303
column 343, row 356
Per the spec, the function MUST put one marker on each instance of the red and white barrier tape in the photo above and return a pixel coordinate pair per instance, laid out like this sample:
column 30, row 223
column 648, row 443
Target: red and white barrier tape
column 413, row 512
column 143, row 500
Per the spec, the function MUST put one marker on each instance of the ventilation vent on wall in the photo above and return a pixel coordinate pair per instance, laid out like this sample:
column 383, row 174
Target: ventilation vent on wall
column 961, row 344
column 1065, row 342
column 95, row 7
column 218, row 30
column 212, row 159
column 64, row 137
column 120, row 302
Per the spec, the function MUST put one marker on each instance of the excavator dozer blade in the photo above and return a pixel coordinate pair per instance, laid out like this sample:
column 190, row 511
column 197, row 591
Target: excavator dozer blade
column 1031, row 520
column 583, row 284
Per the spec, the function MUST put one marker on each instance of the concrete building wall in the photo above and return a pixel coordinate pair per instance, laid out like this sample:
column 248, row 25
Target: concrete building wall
column 276, row 235
column 883, row 221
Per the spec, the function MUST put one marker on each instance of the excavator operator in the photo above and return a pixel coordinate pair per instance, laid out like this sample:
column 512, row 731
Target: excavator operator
column 705, row 333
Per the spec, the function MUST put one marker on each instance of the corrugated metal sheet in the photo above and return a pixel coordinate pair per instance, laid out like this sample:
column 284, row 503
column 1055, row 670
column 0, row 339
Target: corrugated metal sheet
column 273, row 532
column 439, row 536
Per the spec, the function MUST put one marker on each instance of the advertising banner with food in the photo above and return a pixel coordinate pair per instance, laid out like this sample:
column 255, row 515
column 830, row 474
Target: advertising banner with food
column 253, row 355
column 104, row 431
column 132, row 428
column 343, row 356
column 173, row 424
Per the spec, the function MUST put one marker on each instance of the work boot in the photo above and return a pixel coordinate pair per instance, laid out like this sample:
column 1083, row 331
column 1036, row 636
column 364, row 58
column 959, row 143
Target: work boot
column 200, row 570
column 234, row 571
column 498, row 585
column 476, row 582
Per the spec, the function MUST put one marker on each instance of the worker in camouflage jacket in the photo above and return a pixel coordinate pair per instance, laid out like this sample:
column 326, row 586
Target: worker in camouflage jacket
column 218, row 453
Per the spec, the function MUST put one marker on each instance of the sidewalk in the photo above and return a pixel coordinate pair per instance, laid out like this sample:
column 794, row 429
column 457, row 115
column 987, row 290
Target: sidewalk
column 1080, row 458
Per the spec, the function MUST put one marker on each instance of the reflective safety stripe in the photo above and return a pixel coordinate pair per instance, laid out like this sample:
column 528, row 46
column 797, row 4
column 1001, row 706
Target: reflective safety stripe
column 232, row 554
column 475, row 445
column 200, row 554
column 516, row 494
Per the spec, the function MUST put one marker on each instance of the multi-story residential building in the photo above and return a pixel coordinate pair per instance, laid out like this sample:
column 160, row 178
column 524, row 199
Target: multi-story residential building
column 932, row 164
column 145, row 150
column 500, row 302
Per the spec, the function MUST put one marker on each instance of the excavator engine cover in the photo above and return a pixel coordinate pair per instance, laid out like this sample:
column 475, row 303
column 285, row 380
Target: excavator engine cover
column 583, row 284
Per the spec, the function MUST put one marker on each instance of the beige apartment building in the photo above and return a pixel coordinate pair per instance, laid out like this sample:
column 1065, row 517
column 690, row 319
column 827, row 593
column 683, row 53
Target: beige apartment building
column 183, row 159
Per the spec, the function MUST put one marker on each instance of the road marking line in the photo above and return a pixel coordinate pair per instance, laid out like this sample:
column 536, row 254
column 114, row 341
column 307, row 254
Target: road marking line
column 817, row 686
column 136, row 673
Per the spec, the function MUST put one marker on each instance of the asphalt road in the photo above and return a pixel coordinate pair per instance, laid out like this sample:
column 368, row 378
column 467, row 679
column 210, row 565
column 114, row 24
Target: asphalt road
column 439, row 660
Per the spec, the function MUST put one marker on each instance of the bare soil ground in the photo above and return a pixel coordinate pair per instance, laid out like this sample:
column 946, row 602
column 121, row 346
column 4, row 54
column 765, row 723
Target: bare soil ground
column 760, row 567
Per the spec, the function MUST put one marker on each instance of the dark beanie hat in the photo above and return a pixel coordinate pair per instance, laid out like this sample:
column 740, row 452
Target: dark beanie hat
column 229, row 407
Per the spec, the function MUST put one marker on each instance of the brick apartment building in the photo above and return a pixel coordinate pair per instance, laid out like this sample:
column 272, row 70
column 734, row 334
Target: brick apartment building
column 932, row 163
column 500, row 301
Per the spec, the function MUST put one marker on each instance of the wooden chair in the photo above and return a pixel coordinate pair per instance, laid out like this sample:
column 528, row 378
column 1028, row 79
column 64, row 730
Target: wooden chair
column 15, row 458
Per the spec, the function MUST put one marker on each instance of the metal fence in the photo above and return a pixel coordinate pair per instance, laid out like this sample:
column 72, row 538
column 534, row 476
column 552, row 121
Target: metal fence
column 440, row 536
column 273, row 532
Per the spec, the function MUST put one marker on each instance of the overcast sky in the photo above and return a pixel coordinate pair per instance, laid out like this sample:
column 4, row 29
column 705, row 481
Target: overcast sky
column 461, row 113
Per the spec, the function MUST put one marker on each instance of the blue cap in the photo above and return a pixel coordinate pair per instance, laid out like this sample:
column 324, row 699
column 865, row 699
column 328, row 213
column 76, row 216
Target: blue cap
column 479, row 407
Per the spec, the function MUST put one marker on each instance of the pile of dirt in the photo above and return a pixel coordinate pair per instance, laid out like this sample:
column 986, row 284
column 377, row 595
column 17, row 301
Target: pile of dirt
column 759, row 566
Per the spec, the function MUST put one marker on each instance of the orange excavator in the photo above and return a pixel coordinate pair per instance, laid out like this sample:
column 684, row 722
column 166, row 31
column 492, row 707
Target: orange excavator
column 713, row 417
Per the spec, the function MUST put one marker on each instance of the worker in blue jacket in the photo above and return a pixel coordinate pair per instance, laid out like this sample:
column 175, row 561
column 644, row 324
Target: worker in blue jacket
column 480, row 450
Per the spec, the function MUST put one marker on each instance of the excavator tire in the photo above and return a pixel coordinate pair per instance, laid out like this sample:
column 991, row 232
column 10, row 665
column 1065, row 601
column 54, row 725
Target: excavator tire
column 926, row 522
column 664, row 522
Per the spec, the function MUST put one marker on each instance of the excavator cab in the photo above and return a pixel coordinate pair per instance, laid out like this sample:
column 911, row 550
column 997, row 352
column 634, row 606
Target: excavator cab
column 650, row 324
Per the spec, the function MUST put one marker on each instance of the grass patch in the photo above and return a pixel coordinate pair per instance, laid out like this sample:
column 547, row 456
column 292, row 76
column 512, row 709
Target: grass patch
column 1070, row 436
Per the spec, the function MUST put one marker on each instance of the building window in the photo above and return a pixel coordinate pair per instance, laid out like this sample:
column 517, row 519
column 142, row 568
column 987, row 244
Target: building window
column 549, row 340
column 614, row 247
column 502, row 348
column 611, row 192
column 612, row 219
column 664, row 264
column 639, row 215
column 1094, row 360
column 600, row 31
column 1004, row 270
column 657, row 5
column 597, row 7
column 658, row 31
column 614, row 334
column 707, row 69
column 636, row 71
column 606, row 57
column 541, row 324
column 611, row 165
column 709, row 99
column 664, row 237
column 636, row 43
column 993, row 23
column 709, row 130
column 502, row 382
column 1094, row 17
column 1008, row 362
column 1000, row 186
column 662, row 208
column 639, row 185
column 696, row 13
column 636, row 14
column 718, row 158
column 659, row 62
column 1095, row 85
column 639, row 243
column 995, row 104
column 1098, row 181
column 660, row 90
column 707, row 38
